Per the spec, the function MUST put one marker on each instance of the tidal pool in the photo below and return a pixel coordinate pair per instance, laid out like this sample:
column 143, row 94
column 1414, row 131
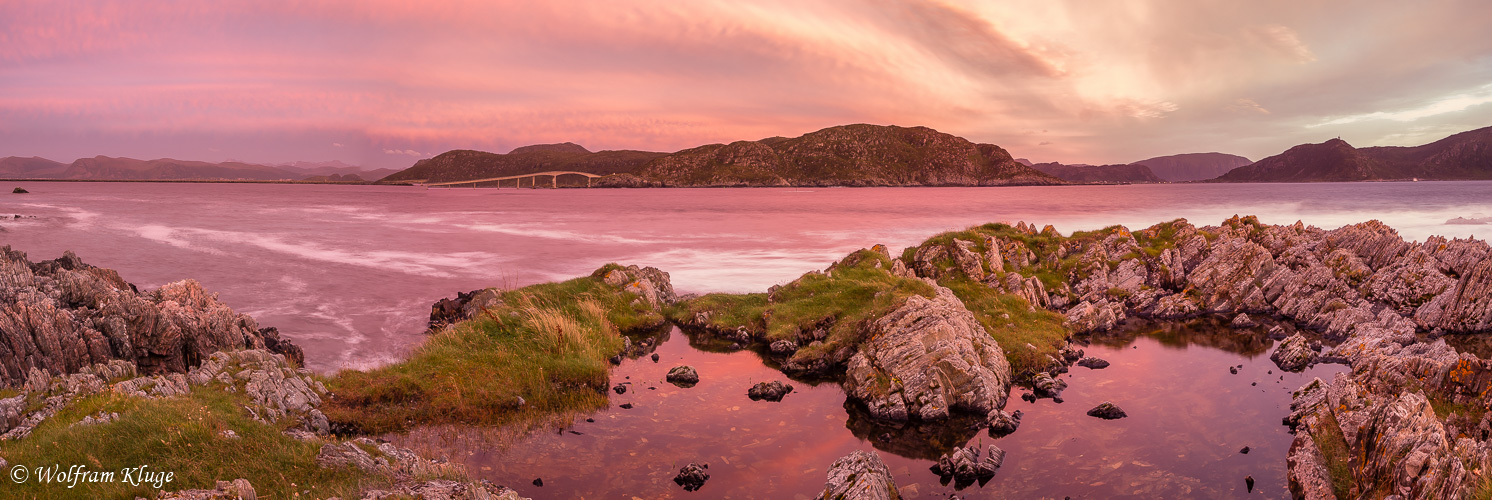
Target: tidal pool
column 1189, row 417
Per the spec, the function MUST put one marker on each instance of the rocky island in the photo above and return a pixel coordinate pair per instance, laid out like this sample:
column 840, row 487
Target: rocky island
column 938, row 335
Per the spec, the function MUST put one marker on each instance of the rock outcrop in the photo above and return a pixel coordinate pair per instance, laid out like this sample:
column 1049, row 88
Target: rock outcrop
column 965, row 466
column 62, row 315
column 927, row 358
column 276, row 390
column 1293, row 354
column 860, row 475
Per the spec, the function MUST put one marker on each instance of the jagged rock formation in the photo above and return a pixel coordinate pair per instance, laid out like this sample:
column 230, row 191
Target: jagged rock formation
column 1099, row 174
column 275, row 389
column 1467, row 155
column 62, row 315
column 860, row 475
column 965, row 466
column 927, row 358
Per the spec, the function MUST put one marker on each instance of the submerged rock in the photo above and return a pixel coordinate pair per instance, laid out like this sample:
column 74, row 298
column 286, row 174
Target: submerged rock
column 1005, row 423
column 770, row 391
column 964, row 464
column 1107, row 411
column 683, row 376
column 927, row 358
column 1293, row 354
column 1093, row 363
column 861, row 475
column 692, row 477
column 1044, row 385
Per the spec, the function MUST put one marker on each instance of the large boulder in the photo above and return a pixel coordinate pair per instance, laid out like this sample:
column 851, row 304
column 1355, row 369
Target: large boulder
column 927, row 358
column 861, row 475
column 1293, row 354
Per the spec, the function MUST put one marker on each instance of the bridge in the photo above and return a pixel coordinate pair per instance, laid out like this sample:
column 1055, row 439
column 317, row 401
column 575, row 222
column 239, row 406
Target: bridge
column 518, row 179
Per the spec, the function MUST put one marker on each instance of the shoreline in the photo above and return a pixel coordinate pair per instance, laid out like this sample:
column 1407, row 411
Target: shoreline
column 995, row 287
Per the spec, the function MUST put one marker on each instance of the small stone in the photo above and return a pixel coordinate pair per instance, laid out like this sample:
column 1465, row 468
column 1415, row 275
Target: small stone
column 626, row 406
column 19, row 191
column 1093, row 363
column 692, row 477
column 770, row 391
column 1244, row 451
column 538, row 481
column 1107, row 411
column 655, row 357
column 620, row 389
column 1249, row 480
column 1233, row 370
column 683, row 376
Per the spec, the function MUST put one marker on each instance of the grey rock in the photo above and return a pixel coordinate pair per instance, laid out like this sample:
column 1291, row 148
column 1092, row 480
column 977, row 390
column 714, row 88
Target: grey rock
column 683, row 376
column 861, row 475
column 1293, row 354
column 1107, row 411
column 1047, row 386
column 784, row 347
column 769, row 391
column 1005, row 423
column 692, row 477
column 237, row 489
column 1093, row 363
column 63, row 315
column 926, row 358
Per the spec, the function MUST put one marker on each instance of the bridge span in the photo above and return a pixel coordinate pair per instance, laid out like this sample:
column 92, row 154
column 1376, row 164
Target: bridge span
column 518, row 179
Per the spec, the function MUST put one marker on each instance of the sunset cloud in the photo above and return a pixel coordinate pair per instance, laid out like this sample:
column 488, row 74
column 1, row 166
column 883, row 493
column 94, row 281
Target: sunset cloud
column 370, row 81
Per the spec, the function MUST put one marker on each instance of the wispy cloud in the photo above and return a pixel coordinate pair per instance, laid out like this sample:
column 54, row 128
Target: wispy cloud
column 1105, row 82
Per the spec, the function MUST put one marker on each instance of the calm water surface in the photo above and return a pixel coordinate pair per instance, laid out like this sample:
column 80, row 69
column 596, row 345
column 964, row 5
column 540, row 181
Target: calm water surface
column 1188, row 419
column 349, row 272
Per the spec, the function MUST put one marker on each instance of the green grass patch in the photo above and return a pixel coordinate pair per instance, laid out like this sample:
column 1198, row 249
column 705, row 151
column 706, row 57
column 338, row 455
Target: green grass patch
column 180, row 435
column 1013, row 324
column 857, row 289
column 1443, row 406
column 547, row 344
column 727, row 311
column 1333, row 445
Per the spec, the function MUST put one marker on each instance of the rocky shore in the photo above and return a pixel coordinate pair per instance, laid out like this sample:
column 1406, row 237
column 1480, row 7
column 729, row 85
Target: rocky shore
column 934, row 337
column 1359, row 295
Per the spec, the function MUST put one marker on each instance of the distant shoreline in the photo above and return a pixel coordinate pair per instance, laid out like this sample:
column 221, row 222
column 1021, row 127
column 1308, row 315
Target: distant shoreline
column 191, row 181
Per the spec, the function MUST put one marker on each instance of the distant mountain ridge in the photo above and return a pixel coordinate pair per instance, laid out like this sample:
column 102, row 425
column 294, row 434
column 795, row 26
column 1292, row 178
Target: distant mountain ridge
column 118, row 168
column 847, row 155
column 1100, row 174
column 1463, row 156
column 1193, row 166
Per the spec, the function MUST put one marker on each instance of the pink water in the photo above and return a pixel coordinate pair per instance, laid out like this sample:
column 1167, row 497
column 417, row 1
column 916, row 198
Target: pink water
column 349, row 273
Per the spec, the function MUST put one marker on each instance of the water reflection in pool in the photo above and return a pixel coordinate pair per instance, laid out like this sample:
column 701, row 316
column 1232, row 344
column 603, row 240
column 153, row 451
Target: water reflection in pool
column 1188, row 418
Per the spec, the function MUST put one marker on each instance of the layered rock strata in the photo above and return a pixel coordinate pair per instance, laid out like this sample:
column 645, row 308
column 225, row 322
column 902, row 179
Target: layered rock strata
column 60, row 316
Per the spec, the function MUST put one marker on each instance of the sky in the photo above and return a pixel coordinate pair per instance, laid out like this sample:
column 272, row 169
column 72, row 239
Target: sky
column 383, row 83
